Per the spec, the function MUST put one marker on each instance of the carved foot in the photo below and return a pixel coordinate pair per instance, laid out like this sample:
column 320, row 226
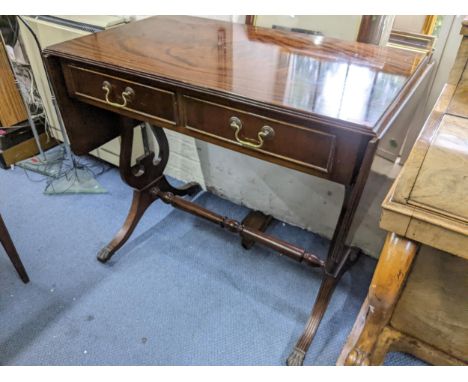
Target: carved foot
column 357, row 357
column 104, row 254
column 141, row 201
column 365, row 344
column 296, row 358
column 321, row 302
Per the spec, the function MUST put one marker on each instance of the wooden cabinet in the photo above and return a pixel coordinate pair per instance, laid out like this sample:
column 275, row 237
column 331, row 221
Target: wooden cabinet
column 433, row 305
column 12, row 108
column 417, row 298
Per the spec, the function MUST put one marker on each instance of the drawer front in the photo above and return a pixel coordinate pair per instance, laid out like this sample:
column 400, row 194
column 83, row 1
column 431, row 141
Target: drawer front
column 121, row 95
column 292, row 143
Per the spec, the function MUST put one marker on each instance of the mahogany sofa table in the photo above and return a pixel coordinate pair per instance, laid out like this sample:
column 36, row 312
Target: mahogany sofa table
column 312, row 104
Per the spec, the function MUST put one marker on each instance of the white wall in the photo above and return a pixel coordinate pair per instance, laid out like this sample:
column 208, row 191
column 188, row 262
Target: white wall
column 445, row 52
column 342, row 27
column 296, row 198
column 290, row 196
column 409, row 23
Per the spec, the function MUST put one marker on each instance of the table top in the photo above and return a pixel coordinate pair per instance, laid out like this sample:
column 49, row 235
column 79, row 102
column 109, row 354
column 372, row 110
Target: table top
column 348, row 81
column 428, row 201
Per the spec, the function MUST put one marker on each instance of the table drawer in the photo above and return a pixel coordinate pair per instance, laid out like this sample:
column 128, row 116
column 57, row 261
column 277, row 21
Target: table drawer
column 300, row 145
column 120, row 95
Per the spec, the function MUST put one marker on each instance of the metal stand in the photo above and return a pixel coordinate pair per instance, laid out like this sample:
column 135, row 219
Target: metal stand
column 68, row 179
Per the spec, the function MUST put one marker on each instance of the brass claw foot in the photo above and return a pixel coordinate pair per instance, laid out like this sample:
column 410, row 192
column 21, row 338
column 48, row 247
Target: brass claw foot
column 104, row 254
column 296, row 358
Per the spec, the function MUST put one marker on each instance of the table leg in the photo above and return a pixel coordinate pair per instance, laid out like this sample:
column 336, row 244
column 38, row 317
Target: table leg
column 327, row 287
column 296, row 358
column 362, row 346
column 145, row 174
column 339, row 257
column 141, row 201
column 10, row 249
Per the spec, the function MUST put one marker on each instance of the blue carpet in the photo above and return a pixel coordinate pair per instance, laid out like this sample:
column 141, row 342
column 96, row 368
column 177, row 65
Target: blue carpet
column 180, row 292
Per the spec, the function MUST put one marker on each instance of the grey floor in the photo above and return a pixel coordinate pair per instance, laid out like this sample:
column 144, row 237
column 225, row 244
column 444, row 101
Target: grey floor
column 180, row 292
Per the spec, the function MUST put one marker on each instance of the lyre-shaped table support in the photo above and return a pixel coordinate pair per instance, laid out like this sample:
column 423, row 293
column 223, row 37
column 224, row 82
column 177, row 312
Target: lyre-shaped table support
column 149, row 183
column 146, row 172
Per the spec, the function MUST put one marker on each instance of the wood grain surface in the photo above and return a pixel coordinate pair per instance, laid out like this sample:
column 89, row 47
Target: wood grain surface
column 433, row 306
column 12, row 109
column 348, row 81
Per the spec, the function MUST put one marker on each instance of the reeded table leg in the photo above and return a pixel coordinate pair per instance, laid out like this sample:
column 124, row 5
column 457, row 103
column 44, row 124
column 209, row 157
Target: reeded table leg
column 324, row 295
column 325, row 292
column 10, row 249
column 339, row 257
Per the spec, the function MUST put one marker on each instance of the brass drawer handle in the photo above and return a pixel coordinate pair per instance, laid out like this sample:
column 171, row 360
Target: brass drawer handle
column 127, row 95
column 266, row 132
